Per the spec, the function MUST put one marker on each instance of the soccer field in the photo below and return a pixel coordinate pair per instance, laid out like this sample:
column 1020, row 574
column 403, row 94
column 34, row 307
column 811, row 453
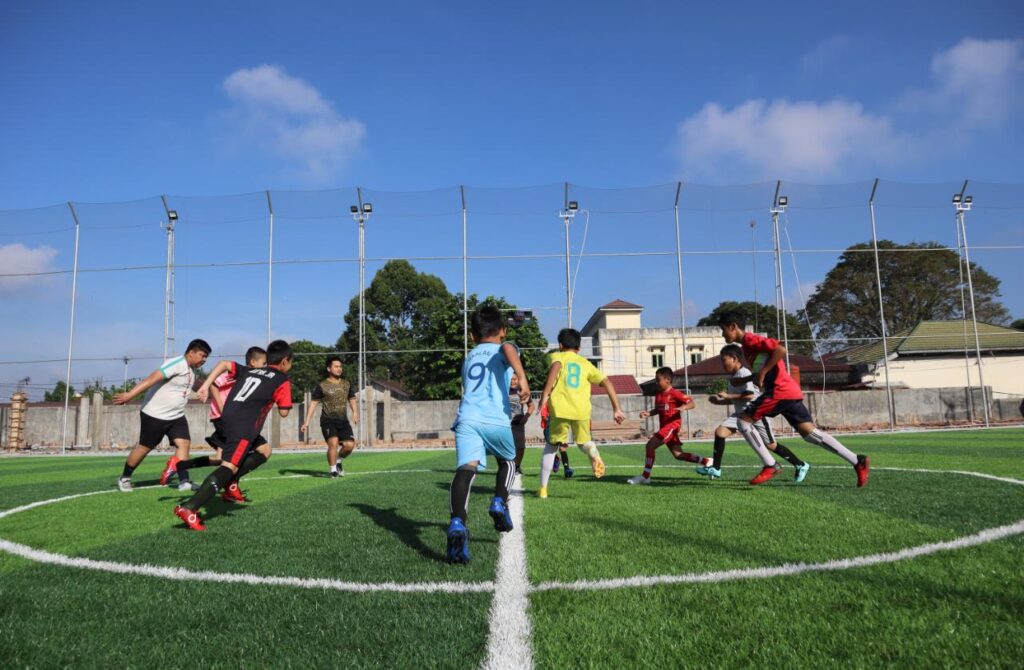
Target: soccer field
column 922, row 568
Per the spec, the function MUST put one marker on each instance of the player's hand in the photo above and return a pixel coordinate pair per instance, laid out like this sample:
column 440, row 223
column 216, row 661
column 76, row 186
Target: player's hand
column 524, row 393
column 619, row 416
column 355, row 419
column 305, row 427
column 644, row 414
column 203, row 393
column 121, row 398
column 759, row 378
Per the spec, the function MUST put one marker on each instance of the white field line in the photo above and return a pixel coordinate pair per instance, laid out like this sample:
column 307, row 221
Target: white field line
column 508, row 643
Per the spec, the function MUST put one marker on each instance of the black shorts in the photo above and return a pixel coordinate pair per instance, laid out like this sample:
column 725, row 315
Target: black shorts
column 153, row 431
column 339, row 428
column 794, row 411
column 234, row 450
column 219, row 438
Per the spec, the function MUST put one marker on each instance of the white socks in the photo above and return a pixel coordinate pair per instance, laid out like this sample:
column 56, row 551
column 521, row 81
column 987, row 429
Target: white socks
column 753, row 438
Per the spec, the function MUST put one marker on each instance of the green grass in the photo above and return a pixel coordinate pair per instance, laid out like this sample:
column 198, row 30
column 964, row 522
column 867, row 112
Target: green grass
column 952, row 609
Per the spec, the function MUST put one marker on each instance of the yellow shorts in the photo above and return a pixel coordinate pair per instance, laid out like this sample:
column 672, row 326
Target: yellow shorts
column 559, row 431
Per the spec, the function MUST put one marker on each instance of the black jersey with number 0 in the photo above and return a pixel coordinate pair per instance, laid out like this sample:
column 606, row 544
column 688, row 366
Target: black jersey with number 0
column 255, row 392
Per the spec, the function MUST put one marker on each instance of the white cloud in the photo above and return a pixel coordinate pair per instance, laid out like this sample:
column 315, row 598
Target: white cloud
column 19, row 259
column 975, row 84
column 290, row 118
column 825, row 52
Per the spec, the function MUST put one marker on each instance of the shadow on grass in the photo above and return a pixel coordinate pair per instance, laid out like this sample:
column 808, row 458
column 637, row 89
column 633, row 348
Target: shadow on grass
column 405, row 529
column 308, row 473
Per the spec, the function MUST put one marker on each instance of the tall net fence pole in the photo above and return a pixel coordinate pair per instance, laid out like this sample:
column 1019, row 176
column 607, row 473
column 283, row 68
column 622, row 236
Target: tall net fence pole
column 881, row 311
column 169, row 278
column 361, row 358
column 682, row 299
column 465, row 277
column 971, row 411
column 961, row 208
column 568, row 280
column 270, row 268
column 778, row 206
column 71, row 334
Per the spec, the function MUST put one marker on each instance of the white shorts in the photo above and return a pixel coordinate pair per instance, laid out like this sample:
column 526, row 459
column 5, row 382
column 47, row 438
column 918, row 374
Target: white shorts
column 762, row 426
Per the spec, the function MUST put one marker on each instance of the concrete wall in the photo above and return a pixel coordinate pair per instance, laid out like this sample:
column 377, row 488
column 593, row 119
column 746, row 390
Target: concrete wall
column 93, row 424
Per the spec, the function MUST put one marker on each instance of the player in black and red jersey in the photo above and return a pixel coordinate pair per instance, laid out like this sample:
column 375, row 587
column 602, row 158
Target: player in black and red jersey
column 669, row 404
column 780, row 394
column 255, row 393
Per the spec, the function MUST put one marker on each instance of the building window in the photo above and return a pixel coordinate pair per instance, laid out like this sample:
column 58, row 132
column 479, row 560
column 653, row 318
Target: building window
column 657, row 357
column 696, row 357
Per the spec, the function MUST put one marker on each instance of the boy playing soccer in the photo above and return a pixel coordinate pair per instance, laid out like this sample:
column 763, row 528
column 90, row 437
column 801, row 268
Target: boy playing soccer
column 738, row 395
column 482, row 426
column 255, row 392
column 669, row 404
column 568, row 389
column 563, row 451
column 780, row 395
column 339, row 402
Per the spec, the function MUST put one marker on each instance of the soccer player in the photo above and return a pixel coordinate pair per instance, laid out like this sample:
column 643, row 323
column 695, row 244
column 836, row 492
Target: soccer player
column 255, row 392
column 163, row 412
column 738, row 395
column 563, row 450
column 568, row 389
column 482, row 426
column 338, row 398
column 255, row 357
column 519, row 413
column 780, row 394
column 669, row 404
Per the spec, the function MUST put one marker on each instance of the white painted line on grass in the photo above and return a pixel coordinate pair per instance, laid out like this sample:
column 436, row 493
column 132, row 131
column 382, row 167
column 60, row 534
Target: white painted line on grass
column 508, row 643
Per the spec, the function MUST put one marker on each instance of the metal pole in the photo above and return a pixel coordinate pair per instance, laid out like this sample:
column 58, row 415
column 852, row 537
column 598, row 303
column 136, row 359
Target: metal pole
column 963, row 313
column 362, row 317
column 682, row 301
column 124, row 387
column 974, row 316
column 465, row 279
column 568, row 281
column 753, row 263
column 781, row 289
column 71, row 334
column 169, row 281
column 270, row 267
column 881, row 312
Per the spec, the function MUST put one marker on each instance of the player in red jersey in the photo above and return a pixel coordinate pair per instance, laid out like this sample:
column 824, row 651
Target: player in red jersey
column 255, row 393
column 669, row 404
column 780, row 395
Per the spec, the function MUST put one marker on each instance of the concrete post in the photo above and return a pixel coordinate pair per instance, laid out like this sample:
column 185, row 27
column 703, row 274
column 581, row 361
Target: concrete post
column 82, row 432
column 96, row 423
column 307, row 398
column 370, row 419
column 387, row 417
column 275, row 431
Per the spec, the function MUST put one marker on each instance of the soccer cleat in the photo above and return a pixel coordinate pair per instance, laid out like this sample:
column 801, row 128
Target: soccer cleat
column 124, row 484
column 710, row 471
column 502, row 517
column 639, row 479
column 569, row 472
column 862, row 468
column 188, row 485
column 169, row 469
column 458, row 542
column 598, row 465
column 233, row 494
column 542, row 492
column 519, row 471
column 766, row 473
column 333, row 474
column 341, row 468
column 190, row 518
column 707, row 462
column 558, row 462
column 801, row 472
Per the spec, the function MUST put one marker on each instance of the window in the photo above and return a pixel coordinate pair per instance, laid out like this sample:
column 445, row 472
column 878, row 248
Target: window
column 657, row 357
column 696, row 357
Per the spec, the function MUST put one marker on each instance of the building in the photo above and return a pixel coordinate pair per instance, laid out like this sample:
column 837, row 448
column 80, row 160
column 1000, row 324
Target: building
column 937, row 354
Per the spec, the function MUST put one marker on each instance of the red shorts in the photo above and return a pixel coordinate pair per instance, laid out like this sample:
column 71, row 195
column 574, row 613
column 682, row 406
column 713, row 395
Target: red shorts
column 669, row 433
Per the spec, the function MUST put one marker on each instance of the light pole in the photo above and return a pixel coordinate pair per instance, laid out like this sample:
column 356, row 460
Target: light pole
column 360, row 214
column 124, row 387
column 962, row 203
column 779, row 206
column 571, row 207
column 753, row 268
column 172, row 219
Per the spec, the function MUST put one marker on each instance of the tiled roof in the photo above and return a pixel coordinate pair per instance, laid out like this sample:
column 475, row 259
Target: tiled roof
column 623, row 385
column 713, row 365
column 618, row 303
column 936, row 337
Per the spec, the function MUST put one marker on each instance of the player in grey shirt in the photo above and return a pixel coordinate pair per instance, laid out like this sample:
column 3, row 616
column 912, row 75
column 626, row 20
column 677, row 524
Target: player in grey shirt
column 738, row 395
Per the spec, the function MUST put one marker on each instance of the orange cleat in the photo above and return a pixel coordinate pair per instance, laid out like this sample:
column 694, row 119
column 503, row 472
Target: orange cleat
column 233, row 494
column 169, row 469
column 190, row 518
column 862, row 468
column 766, row 473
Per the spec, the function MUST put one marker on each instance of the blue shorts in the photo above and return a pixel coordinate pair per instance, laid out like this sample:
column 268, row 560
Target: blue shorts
column 473, row 441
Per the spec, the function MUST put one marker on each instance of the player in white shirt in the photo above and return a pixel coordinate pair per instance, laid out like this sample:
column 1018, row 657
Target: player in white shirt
column 738, row 395
column 163, row 412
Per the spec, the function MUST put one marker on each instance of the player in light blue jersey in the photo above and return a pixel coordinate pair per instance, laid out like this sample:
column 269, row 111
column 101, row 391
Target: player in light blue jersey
column 482, row 426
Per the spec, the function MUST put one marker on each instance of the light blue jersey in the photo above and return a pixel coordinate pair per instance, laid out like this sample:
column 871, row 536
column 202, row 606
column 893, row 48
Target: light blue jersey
column 486, row 376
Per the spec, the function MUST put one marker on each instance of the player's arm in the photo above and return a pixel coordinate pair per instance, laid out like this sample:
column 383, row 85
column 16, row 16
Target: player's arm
column 283, row 399
column 549, row 383
column 309, row 414
column 618, row 415
column 353, row 407
column 218, row 370
column 685, row 402
column 512, row 356
column 773, row 359
column 154, row 378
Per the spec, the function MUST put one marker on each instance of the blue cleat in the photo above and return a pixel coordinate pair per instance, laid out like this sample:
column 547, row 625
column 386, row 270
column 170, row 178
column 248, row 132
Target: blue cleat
column 569, row 472
column 709, row 471
column 801, row 472
column 458, row 542
column 499, row 512
column 554, row 468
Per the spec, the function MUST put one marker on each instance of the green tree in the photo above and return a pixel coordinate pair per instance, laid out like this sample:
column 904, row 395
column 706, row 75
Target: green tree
column 309, row 366
column 1018, row 324
column 920, row 282
column 59, row 392
column 765, row 317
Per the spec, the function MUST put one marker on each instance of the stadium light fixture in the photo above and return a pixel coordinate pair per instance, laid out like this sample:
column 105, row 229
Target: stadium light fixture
column 172, row 215
column 962, row 203
column 354, row 209
column 367, row 208
column 956, row 198
column 573, row 205
column 783, row 200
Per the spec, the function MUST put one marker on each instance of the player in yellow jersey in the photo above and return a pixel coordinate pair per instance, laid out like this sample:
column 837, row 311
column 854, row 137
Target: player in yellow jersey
column 568, row 389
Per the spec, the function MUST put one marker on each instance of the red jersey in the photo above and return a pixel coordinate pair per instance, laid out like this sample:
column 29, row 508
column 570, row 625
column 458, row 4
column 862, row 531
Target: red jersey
column 667, row 404
column 778, row 383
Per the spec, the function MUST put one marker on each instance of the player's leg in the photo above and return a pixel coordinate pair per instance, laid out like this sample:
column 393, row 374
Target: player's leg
column 469, row 452
column 519, row 437
column 134, row 460
column 257, row 456
column 755, row 411
column 501, row 443
column 557, row 437
column 346, row 444
column 177, row 434
column 181, row 466
column 800, row 467
column 801, row 420
column 563, row 456
column 670, row 432
column 586, row 444
column 214, row 482
column 650, row 450
column 332, row 454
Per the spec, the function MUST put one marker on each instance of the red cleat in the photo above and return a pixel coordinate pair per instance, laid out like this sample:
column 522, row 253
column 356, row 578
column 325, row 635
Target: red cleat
column 233, row 494
column 766, row 473
column 169, row 469
column 862, row 468
column 190, row 518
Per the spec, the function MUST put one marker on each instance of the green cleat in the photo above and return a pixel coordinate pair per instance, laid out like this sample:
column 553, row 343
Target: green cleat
column 801, row 472
column 709, row 471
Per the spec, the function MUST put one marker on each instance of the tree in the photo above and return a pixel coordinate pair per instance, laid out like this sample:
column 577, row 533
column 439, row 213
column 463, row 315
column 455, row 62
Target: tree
column 1018, row 324
column 309, row 366
column 796, row 330
column 59, row 392
column 920, row 282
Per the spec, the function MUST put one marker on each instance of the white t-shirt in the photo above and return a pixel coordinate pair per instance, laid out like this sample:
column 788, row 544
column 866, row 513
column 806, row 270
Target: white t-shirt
column 748, row 387
column 167, row 398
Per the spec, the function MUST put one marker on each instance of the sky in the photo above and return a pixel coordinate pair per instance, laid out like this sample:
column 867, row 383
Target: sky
column 121, row 102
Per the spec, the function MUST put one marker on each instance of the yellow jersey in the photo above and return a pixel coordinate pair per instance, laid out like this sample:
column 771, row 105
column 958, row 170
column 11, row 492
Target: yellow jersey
column 570, row 398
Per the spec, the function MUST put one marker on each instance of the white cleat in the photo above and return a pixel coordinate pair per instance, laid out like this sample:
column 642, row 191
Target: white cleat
column 124, row 485
column 639, row 479
column 188, row 486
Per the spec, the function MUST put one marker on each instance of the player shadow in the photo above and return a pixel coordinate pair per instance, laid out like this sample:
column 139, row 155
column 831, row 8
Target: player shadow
column 405, row 529
column 488, row 491
column 213, row 509
column 298, row 471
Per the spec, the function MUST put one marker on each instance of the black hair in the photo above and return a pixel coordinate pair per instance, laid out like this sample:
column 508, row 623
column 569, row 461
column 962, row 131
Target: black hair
column 254, row 352
column 733, row 351
column 487, row 321
column 278, row 351
column 199, row 345
column 729, row 318
column 665, row 372
column 331, row 359
column 570, row 338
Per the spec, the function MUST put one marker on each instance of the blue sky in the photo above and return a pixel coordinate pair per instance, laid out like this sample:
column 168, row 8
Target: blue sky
column 112, row 102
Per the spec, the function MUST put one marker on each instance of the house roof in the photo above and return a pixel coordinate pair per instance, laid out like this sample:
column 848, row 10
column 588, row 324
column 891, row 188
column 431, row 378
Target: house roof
column 619, row 303
column 935, row 338
column 713, row 366
column 623, row 385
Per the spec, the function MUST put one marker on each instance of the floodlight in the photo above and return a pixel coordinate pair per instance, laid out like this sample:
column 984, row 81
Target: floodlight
column 968, row 199
column 367, row 208
column 783, row 201
column 354, row 209
column 956, row 199
column 573, row 205
column 172, row 215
